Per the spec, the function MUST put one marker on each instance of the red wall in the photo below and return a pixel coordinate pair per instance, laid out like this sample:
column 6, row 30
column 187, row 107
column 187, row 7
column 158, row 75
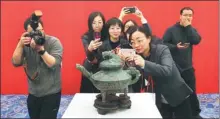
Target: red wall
column 68, row 21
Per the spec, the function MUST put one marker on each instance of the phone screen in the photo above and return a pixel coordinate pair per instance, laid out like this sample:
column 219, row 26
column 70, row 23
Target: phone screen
column 131, row 9
column 97, row 35
column 127, row 52
column 184, row 43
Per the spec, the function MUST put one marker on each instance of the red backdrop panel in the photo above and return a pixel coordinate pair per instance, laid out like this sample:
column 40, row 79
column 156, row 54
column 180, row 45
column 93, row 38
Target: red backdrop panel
column 68, row 21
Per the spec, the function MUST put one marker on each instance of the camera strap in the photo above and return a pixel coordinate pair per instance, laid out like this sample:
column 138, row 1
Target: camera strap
column 34, row 76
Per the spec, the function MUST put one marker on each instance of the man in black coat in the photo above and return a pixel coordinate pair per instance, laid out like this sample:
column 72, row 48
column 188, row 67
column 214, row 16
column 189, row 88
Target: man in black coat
column 180, row 39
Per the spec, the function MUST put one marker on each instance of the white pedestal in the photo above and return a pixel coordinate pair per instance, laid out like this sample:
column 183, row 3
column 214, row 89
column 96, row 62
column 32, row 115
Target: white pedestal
column 142, row 106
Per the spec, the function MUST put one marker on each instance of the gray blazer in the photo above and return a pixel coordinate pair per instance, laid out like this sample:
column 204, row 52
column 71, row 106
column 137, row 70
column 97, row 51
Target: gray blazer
column 166, row 76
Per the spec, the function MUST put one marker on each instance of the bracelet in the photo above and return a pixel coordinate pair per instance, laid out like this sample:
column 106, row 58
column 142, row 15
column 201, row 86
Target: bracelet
column 41, row 52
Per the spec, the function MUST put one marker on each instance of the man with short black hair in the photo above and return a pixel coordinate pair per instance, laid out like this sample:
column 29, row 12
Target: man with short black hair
column 180, row 39
column 42, row 65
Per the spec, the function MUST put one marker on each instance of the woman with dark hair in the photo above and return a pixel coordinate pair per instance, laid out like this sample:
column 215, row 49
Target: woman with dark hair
column 128, row 23
column 114, row 41
column 155, row 62
column 92, row 40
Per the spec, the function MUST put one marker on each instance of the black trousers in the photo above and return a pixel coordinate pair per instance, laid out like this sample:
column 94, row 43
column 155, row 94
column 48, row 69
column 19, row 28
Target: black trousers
column 182, row 111
column 189, row 77
column 43, row 107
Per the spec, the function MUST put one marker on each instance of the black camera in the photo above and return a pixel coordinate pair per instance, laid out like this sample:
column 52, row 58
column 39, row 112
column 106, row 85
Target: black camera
column 38, row 37
column 35, row 34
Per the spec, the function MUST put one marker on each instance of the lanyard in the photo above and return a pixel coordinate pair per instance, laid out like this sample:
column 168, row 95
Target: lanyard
column 149, row 83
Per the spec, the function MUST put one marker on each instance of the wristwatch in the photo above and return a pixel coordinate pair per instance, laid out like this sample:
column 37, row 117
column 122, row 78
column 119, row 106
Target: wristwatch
column 41, row 52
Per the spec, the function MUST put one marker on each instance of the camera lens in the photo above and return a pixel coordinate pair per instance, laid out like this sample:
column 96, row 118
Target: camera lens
column 39, row 40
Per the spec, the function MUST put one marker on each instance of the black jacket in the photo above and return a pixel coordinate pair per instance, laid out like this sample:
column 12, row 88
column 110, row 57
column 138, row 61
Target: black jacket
column 156, row 40
column 106, row 45
column 89, row 55
column 86, row 85
column 165, row 75
column 176, row 34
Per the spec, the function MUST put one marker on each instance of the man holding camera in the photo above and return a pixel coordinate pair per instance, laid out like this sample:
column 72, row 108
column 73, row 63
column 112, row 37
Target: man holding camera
column 41, row 56
column 180, row 39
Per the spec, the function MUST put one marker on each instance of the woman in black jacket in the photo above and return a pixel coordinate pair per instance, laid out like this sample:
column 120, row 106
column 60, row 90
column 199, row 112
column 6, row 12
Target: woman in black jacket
column 114, row 40
column 92, row 40
column 155, row 62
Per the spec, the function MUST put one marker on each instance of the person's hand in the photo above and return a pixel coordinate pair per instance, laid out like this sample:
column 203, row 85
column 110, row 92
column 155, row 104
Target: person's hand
column 138, row 13
column 94, row 44
column 116, row 50
column 129, row 60
column 136, row 60
column 121, row 55
column 139, row 61
column 180, row 46
column 123, row 13
column 24, row 40
column 186, row 22
column 35, row 46
column 39, row 48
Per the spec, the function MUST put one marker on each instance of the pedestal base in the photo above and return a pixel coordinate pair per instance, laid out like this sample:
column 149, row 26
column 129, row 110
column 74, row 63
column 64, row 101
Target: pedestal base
column 112, row 102
column 124, row 101
column 143, row 106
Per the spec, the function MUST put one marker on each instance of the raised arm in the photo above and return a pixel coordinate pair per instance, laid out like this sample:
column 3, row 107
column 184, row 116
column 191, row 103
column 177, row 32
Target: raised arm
column 193, row 36
column 162, row 69
column 18, row 55
column 53, row 57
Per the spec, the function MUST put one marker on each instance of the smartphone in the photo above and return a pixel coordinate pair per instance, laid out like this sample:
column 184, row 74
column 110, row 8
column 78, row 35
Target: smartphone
column 131, row 9
column 97, row 35
column 127, row 52
column 184, row 43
